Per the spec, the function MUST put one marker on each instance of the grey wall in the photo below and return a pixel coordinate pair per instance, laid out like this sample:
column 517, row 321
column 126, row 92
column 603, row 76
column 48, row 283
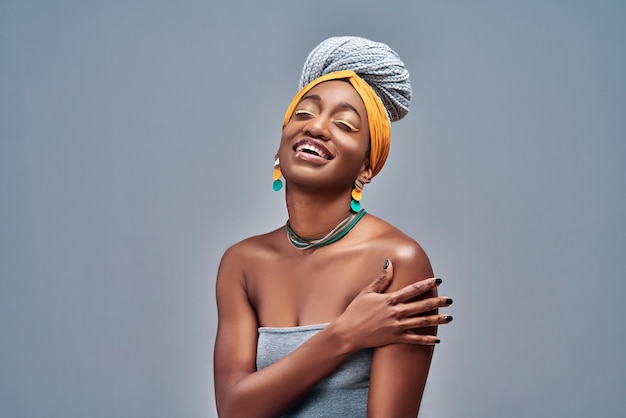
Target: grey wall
column 136, row 144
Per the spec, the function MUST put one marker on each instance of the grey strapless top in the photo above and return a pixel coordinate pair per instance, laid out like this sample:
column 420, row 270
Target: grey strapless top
column 341, row 394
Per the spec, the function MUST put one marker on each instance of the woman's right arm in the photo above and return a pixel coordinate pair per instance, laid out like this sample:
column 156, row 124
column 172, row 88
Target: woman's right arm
column 241, row 390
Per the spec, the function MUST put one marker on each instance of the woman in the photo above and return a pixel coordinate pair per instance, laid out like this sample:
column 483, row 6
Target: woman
column 342, row 325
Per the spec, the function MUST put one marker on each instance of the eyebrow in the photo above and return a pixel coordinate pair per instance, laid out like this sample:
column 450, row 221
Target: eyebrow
column 341, row 104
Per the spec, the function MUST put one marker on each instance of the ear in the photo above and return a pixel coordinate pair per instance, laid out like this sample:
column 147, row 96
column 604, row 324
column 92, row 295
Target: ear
column 365, row 174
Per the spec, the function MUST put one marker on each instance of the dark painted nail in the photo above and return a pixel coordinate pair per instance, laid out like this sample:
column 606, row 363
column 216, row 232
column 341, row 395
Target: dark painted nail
column 386, row 264
column 438, row 280
column 448, row 301
column 449, row 318
column 437, row 341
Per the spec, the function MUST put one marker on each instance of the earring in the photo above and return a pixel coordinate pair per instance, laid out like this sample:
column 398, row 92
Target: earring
column 357, row 195
column 278, row 184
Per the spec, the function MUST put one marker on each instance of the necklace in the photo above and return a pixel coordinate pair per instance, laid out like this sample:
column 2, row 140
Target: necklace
column 335, row 235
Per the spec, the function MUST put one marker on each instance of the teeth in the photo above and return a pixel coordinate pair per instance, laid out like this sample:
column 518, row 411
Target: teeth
column 312, row 148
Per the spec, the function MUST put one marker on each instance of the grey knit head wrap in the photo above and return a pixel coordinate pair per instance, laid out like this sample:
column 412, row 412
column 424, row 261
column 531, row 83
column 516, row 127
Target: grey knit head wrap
column 375, row 62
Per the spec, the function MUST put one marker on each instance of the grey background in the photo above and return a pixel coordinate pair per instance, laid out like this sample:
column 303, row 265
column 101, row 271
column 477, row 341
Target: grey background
column 136, row 145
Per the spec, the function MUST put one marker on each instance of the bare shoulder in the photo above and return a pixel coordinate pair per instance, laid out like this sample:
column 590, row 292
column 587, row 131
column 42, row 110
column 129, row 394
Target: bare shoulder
column 251, row 251
column 403, row 247
column 255, row 246
column 410, row 261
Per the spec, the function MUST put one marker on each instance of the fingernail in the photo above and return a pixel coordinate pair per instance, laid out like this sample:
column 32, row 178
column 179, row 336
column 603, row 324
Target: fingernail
column 448, row 301
column 438, row 280
column 448, row 318
column 386, row 264
column 437, row 341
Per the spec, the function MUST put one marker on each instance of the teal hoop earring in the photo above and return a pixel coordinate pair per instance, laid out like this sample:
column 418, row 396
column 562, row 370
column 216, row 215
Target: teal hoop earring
column 278, row 184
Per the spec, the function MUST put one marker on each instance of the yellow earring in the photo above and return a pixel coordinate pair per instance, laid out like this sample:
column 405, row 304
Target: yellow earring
column 357, row 195
column 278, row 184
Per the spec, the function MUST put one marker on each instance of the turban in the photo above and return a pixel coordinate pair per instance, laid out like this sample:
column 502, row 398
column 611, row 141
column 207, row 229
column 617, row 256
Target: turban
column 377, row 74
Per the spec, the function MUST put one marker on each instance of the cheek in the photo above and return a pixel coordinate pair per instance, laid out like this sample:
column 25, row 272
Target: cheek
column 284, row 144
column 285, row 139
column 362, row 145
column 290, row 130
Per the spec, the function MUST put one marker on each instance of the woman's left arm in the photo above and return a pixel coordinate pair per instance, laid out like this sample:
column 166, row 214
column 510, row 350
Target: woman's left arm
column 399, row 371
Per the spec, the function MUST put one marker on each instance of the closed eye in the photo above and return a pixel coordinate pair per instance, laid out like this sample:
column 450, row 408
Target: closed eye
column 347, row 125
column 303, row 112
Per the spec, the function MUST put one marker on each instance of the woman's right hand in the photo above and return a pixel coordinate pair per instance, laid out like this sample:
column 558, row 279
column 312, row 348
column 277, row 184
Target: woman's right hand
column 374, row 318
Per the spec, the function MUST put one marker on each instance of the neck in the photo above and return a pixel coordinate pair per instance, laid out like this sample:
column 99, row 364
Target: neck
column 313, row 215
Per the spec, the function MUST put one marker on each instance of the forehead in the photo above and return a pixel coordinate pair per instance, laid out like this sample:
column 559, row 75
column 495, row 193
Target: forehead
column 335, row 92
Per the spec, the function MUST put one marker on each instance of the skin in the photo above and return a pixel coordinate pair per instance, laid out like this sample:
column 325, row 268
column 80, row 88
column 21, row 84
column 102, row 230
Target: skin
column 265, row 281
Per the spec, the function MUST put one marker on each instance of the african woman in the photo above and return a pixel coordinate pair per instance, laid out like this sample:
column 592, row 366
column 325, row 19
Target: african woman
column 335, row 313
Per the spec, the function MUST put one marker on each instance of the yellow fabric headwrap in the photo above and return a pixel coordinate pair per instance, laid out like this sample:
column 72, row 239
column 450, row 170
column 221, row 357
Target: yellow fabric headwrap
column 378, row 121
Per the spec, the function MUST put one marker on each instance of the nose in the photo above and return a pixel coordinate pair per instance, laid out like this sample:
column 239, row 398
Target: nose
column 317, row 128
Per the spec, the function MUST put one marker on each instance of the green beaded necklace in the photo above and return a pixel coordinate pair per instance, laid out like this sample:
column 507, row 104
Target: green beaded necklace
column 335, row 235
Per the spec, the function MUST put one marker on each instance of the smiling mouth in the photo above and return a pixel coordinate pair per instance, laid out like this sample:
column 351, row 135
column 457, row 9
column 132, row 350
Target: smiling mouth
column 311, row 147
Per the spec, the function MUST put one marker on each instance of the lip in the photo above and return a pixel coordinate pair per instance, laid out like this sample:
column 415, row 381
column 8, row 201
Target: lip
column 312, row 150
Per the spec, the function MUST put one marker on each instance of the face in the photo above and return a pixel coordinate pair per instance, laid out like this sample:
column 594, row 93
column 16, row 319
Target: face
column 325, row 143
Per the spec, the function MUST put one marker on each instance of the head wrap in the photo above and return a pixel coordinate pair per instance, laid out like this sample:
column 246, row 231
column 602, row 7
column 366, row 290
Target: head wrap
column 376, row 73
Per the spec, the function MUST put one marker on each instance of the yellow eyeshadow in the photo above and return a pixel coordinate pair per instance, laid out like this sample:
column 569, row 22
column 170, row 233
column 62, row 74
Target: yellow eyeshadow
column 341, row 121
column 348, row 124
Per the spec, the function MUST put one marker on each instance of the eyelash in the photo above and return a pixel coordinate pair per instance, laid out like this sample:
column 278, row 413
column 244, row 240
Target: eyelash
column 303, row 112
column 348, row 125
column 342, row 122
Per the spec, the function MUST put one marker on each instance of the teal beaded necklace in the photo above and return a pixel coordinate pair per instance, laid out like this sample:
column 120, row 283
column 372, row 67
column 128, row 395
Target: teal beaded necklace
column 335, row 235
